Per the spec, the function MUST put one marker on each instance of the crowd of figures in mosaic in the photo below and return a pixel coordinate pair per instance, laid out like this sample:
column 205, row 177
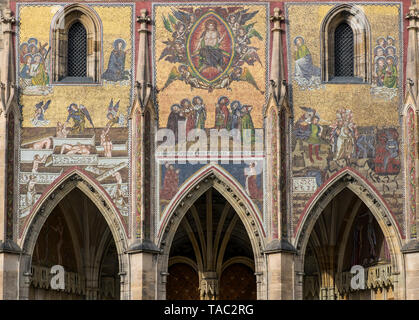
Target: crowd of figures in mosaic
column 321, row 149
column 228, row 115
column 386, row 61
column 34, row 62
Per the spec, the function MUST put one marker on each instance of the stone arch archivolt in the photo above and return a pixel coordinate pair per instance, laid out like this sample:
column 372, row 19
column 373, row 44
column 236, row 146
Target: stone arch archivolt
column 211, row 176
column 43, row 208
column 347, row 178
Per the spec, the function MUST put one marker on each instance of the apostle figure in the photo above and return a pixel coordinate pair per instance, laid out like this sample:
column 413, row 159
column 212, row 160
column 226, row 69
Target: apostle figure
column 38, row 72
column 170, row 182
column 304, row 67
column 380, row 71
column 246, row 124
column 222, row 114
column 200, row 112
column 25, row 72
column 189, row 113
column 252, row 187
column 235, row 114
column 23, row 50
column 175, row 117
column 116, row 65
column 390, row 77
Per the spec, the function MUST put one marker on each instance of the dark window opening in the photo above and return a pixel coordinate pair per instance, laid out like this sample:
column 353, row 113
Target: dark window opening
column 77, row 51
column 344, row 51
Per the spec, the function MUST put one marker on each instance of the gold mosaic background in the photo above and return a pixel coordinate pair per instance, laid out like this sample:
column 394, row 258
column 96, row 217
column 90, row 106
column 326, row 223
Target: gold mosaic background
column 367, row 109
column 116, row 23
column 242, row 91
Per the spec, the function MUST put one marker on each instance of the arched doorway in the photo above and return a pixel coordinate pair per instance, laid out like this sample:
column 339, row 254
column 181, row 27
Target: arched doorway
column 346, row 233
column 75, row 225
column 77, row 237
column 209, row 247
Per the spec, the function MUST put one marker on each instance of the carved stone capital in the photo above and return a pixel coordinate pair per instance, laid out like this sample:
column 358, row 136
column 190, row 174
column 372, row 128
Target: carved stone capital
column 412, row 14
column 276, row 18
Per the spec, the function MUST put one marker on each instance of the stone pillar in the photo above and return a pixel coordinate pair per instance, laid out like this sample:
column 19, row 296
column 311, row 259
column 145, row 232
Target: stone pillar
column 412, row 64
column 281, row 258
column 9, row 251
column 411, row 259
column 9, row 270
column 143, row 271
column 143, row 251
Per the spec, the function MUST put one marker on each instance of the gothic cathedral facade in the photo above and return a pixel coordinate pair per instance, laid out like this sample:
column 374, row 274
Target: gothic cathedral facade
column 209, row 150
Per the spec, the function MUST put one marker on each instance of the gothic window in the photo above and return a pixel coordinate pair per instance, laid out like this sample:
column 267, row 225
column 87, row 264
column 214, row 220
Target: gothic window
column 77, row 51
column 344, row 51
column 76, row 46
column 345, row 46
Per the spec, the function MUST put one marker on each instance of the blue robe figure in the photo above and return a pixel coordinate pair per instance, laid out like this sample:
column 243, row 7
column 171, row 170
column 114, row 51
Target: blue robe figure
column 26, row 69
column 116, row 65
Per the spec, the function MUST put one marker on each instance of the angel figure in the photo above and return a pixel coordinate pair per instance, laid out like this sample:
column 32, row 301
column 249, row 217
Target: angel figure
column 184, row 73
column 38, row 119
column 238, row 19
column 113, row 116
column 238, row 74
column 78, row 114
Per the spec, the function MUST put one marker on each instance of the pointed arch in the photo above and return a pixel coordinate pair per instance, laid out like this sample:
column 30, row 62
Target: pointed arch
column 350, row 179
column 210, row 176
column 72, row 179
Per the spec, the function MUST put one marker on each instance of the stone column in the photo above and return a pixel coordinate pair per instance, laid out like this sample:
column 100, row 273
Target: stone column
column 142, row 251
column 412, row 64
column 281, row 261
column 143, row 271
column 411, row 259
column 9, row 251
column 280, row 254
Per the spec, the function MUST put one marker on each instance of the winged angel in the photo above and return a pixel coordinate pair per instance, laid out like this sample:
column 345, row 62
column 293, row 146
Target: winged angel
column 180, row 23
